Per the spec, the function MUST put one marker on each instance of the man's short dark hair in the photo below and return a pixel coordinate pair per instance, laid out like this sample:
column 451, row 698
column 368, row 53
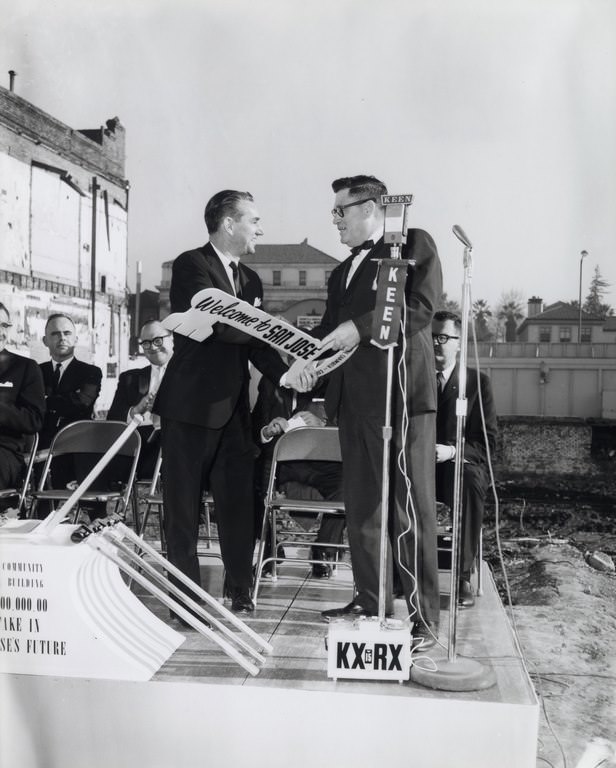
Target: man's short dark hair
column 223, row 204
column 2, row 307
column 443, row 315
column 55, row 316
column 361, row 187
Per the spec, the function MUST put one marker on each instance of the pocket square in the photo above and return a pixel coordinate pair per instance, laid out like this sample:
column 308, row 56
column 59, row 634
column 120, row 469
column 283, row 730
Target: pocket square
column 257, row 302
column 7, row 384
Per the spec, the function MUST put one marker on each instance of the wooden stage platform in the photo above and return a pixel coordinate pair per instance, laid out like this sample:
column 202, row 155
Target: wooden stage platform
column 201, row 709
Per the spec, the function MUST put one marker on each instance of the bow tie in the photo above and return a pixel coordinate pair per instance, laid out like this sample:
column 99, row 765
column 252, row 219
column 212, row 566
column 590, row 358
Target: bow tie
column 365, row 246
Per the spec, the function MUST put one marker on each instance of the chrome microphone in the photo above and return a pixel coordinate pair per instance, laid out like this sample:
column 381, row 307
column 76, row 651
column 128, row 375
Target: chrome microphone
column 461, row 235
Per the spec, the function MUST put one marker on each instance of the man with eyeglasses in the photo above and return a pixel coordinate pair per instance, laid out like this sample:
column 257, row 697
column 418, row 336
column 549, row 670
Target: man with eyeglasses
column 356, row 395
column 22, row 405
column 137, row 389
column 446, row 328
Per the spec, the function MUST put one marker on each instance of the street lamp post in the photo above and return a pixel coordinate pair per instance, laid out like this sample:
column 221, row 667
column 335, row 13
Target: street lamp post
column 583, row 255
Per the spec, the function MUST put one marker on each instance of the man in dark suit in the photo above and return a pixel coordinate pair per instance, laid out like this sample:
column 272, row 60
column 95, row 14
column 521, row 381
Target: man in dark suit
column 357, row 394
column 475, row 480
column 22, row 405
column 203, row 401
column 71, row 389
column 137, row 389
column 71, row 386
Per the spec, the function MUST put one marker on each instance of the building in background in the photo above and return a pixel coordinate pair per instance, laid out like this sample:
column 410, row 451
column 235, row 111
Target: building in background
column 294, row 281
column 560, row 323
column 63, row 233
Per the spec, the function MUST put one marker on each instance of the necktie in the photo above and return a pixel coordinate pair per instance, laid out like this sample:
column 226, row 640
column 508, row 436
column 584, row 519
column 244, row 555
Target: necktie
column 440, row 381
column 55, row 378
column 365, row 246
column 236, row 280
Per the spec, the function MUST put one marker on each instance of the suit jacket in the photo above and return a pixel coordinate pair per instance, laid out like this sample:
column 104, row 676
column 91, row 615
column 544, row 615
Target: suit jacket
column 446, row 423
column 74, row 401
column 133, row 386
column 204, row 380
column 22, row 400
column 362, row 379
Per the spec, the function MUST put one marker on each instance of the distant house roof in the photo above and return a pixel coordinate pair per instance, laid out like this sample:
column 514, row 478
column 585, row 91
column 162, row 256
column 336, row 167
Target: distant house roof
column 293, row 253
column 559, row 312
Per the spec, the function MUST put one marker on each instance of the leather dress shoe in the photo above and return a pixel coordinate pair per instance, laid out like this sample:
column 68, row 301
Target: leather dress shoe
column 242, row 603
column 351, row 611
column 321, row 571
column 466, row 596
column 424, row 634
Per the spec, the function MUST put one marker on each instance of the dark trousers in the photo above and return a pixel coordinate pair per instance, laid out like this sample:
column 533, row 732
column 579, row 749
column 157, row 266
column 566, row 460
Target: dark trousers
column 474, row 489
column 225, row 457
column 11, row 473
column 326, row 478
column 412, row 539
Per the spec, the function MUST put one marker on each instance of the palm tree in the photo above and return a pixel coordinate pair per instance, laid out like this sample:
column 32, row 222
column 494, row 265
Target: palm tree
column 510, row 310
column 481, row 313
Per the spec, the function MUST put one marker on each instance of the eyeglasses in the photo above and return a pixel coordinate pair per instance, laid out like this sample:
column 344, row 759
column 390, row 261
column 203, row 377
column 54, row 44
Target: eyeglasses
column 340, row 209
column 442, row 338
column 155, row 343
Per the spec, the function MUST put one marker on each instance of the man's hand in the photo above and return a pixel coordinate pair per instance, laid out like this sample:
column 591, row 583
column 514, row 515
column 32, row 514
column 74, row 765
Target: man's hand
column 144, row 405
column 444, row 453
column 276, row 427
column 345, row 337
column 301, row 378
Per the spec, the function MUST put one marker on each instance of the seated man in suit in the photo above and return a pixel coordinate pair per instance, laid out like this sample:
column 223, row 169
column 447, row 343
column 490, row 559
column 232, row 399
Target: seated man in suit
column 71, row 389
column 137, row 390
column 475, row 480
column 279, row 410
column 22, row 405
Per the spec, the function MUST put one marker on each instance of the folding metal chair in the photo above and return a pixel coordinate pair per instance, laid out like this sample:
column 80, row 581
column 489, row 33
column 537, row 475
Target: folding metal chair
column 300, row 444
column 153, row 499
column 29, row 456
column 93, row 438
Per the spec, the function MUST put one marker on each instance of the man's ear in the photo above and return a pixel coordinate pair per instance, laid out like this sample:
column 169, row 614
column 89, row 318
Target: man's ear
column 45, row 341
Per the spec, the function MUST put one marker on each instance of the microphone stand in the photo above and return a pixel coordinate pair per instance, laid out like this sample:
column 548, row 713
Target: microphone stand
column 457, row 674
column 461, row 411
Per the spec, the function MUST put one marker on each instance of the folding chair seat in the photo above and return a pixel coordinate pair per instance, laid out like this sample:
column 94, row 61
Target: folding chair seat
column 300, row 444
column 153, row 500
column 29, row 456
column 92, row 439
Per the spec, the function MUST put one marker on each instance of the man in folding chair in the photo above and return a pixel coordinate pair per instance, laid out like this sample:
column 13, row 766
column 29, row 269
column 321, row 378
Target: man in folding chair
column 137, row 390
column 22, row 405
column 71, row 389
column 475, row 481
column 286, row 410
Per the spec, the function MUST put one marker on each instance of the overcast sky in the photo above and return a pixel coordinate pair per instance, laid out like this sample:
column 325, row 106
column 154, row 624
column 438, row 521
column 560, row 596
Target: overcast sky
column 498, row 115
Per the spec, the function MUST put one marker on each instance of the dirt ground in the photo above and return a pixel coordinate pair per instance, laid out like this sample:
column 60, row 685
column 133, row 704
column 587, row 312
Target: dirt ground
column 564, row 610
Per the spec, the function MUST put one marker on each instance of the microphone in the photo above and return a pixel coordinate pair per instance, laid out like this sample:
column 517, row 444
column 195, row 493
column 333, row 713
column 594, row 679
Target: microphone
column 460, row 234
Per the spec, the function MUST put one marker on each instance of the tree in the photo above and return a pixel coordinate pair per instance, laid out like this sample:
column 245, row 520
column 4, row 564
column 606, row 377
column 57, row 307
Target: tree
column 481, row 315
column 509, row 311
column 594, row 303
column 449, row 305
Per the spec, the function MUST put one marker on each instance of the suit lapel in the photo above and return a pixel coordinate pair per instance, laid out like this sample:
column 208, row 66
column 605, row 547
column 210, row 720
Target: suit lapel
column 217, row 268
column 364, row 267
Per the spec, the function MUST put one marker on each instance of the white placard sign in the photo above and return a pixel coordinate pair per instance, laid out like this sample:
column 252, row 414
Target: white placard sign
column 212, row 305
column 66, row 611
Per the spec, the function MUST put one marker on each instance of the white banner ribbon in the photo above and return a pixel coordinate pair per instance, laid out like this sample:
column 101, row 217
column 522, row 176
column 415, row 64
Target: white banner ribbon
column 212, row 305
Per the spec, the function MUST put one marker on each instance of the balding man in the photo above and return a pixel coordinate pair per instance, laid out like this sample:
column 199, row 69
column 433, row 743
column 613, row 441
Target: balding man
column 137, row 388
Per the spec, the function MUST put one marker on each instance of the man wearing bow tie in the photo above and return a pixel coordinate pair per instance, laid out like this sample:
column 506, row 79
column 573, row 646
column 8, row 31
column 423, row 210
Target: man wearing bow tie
column 356, row 394
column 446, row 328
column 206, row 429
